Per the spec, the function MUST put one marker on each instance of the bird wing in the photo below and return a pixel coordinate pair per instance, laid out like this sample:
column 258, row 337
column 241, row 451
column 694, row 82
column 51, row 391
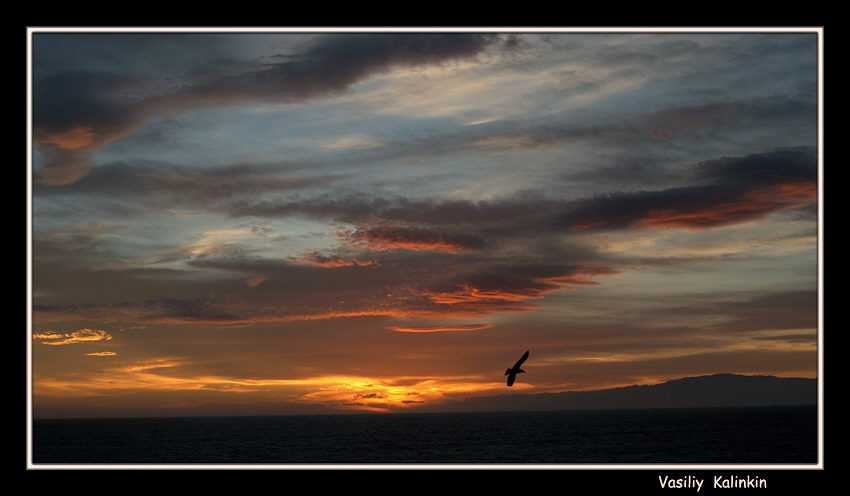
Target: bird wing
column 511, row 379
column 521, row 360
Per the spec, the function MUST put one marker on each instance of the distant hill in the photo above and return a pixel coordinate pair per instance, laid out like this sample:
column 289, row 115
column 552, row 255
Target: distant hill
column 691, row 392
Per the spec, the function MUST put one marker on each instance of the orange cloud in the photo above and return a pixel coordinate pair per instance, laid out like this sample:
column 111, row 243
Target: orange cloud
column 334, row 261
column 490, row 290
column 733, row 190
column 102, row 353
column 467, row 293
column 81, row 336
column 805, row 190
column 383, row 238
column 77, row 138
column 467, row 327
column 722, row 214
column 502, row 290
column 582, row 275
column 533, row 288
column 751, row 206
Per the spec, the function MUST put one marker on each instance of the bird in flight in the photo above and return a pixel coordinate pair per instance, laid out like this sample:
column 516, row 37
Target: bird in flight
column 513, row 371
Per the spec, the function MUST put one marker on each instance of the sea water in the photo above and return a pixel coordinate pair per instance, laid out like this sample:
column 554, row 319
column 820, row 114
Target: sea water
column 748, row 435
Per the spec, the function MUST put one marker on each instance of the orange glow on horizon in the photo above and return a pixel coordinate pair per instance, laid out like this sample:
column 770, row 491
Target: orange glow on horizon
column 333, row 391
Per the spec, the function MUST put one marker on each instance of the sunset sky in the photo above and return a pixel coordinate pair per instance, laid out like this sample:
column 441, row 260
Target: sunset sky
column 240, row 223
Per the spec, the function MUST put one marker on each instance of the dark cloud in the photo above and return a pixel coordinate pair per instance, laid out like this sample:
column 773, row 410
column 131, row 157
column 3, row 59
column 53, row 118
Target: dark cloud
column 321, row 260
column 170, row 185
column 720, row 192
column 773, row 311
column 749, row 313
column 651, row 143
column 763, row 169
column 452, row 265
column 381, row 224
column 362, row 209
column 501, row 288
column 734, row 190
column 84, row 110
column 331, row 65
column 62, row 246
column 60, row 166
column 421, row 284
column 195, row 309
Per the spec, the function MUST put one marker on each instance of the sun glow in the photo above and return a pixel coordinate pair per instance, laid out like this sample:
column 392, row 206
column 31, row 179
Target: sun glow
column 383, row 395
column 339, row 392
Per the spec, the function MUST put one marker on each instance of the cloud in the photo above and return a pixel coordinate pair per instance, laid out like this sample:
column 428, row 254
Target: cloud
column 779, row 310
column 81, row 336
column 255, row 281
column 763, row 169
column 393, row 224
column 382, row 238
column 331, row 261
column 171, row 185
column 754, row 312
column 443, row 328
column 362, row 209
column 351, row 57
column 102, row 353
column 440, row 259
column 81, row 111
column 501, row 288
column 433, row 287
column 735, row 190
column 190, row 310
column 59, row 166
column 435, row 259
column 710, row 194
column 163, row 310
column 75, row 113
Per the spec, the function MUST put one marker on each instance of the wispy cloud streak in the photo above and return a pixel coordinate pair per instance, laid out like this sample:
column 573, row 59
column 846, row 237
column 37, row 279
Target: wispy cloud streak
column 61, row 339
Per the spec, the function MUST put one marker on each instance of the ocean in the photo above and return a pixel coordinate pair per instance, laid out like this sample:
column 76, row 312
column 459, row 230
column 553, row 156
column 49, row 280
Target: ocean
column 746, row 435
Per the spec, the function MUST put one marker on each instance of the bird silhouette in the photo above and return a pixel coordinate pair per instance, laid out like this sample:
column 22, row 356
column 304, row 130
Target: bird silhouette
column 513, row 371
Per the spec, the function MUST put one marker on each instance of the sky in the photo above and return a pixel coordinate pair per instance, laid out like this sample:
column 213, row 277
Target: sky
column 282, row 222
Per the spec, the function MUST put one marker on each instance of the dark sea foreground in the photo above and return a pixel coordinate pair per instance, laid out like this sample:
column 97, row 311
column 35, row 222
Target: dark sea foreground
column 748, row 435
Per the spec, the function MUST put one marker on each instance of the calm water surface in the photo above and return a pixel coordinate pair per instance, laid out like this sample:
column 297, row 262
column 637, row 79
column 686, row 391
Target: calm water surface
column 709, row 435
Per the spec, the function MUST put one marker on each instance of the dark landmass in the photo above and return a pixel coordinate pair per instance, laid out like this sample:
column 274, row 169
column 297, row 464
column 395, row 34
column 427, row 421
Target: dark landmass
column 720, row 390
